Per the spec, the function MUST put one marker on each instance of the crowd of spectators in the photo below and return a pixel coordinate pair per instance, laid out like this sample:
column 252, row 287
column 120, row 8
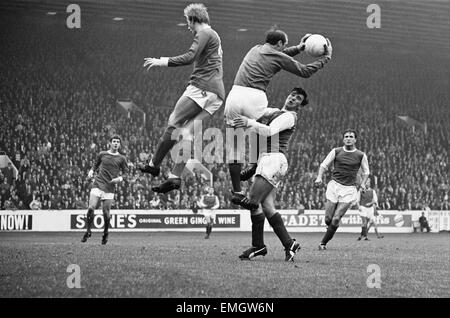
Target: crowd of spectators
column 58, row 92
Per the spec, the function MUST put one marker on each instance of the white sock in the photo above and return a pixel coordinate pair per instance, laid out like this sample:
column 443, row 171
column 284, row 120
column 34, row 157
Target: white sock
column 172, row 176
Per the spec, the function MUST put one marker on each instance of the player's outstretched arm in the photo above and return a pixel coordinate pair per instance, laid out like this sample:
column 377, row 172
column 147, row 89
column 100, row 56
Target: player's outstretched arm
column 152, row 62
column 302, row 70
column 200, row 41
column 299, row 69
column 282, row 122
column 296, row 49
column 199, row 44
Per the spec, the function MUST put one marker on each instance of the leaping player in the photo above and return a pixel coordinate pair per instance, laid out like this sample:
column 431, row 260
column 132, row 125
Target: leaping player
column 248, row 94
column 203, row 96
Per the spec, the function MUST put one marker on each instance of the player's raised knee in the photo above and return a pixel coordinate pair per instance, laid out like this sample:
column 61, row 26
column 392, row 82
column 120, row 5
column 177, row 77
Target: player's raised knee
column 335, row 222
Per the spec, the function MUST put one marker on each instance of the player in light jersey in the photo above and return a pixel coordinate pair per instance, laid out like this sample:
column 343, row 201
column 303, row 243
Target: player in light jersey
column 278, row 126
column 108, row 166
column 209, row 202
column 367, row 206
column 203, row 96
column 342, row 189
column 248, row 94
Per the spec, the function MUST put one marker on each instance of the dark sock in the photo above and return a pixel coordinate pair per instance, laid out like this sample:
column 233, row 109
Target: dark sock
column 105, row 231
column 235, row 173
column 166, row 143
column 89, row 220
column 364, row 231
column 280, row 230
column 258, row 230
column 329, row 234
column 208, row 229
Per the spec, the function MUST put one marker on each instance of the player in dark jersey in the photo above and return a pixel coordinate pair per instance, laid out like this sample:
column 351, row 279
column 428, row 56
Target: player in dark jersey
column 367, row 206
column 278, row 126
column 108, row 166
column 209, row 202
column 203, row 96
column 248, row 94
column 342, row 189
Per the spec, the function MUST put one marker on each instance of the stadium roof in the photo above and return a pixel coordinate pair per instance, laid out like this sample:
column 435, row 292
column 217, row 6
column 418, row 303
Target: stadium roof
column 418, row 24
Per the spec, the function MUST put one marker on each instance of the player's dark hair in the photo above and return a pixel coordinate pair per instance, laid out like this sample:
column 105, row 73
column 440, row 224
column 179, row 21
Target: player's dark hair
column 350, row 130
column 197, row 12
column 301, row 91
column 115, row 137
column 274, row 35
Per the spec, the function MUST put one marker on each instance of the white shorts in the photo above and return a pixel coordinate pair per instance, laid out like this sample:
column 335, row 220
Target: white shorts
column 367, row 212
column 209, row 213
column 206, row 100
column 102, row 194
column 337, row 192
column 245, row 101
column 272, row 167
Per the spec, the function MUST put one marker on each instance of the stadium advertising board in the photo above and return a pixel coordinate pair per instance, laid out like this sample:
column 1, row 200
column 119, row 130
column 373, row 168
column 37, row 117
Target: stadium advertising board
column 226, row 220
column 314, row 221
column 351, row 219
column 156, row 221
column 16, row 222
column 439, row 220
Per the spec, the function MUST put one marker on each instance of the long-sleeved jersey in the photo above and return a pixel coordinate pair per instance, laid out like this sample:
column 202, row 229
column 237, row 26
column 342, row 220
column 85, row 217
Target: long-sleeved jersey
column 108, row 166
column 206, row 54
column 278, row 126
column 262, row 62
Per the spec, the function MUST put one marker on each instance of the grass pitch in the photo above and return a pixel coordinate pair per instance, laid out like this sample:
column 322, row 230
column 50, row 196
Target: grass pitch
column 184, row 265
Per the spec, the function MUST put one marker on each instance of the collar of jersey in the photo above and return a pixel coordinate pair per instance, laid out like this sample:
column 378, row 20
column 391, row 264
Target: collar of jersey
column 349, row 150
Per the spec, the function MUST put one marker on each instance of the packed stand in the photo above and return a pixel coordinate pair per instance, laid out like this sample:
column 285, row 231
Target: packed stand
column 58, row 97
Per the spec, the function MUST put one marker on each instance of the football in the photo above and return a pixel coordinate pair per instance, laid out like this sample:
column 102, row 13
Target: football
column 314, row 45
